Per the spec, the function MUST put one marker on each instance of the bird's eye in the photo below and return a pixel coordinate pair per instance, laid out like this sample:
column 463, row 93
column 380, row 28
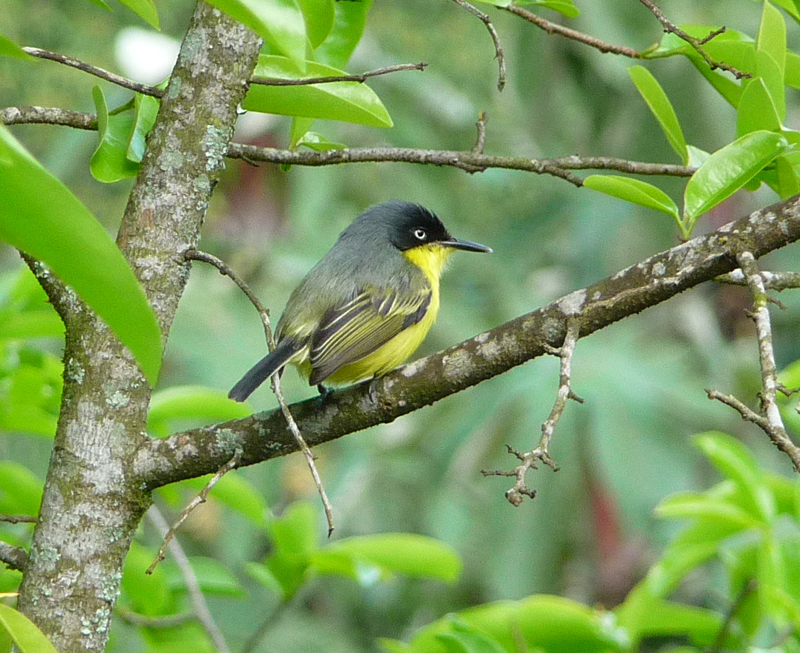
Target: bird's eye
column 420, row 234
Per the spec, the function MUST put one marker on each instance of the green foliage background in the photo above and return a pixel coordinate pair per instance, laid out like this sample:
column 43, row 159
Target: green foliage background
column 591, row 532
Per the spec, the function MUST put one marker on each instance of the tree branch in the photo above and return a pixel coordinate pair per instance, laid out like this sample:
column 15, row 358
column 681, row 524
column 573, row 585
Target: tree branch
column 772, row 280
column 422, row 383
column 48, row 116
column 108, row 76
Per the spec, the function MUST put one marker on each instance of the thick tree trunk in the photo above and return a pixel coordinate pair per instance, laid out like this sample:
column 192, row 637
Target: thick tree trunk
column 93, row 502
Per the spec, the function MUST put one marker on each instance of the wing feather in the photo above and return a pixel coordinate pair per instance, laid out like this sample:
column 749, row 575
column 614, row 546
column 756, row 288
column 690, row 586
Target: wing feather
column 353, row 330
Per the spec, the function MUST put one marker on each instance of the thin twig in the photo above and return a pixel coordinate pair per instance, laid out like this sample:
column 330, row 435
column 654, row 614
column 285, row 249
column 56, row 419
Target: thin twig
column 480, row 141
column 363, row 77
column 19, row 519
column 199, row 499
column 696, row 43
column 498, row 48
column 722, row 633
column 94, row 70
column 13, row 557
column 32, row 115
column 145, row 621
column 555, row 28
column 528, row 459
column 772, row 280
column 263, row 313
column 190, row 578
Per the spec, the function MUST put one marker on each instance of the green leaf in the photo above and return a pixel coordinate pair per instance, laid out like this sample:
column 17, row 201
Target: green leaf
column 792, row 72
column 145, row 9
column 662, row 109
column 465, row 638
column 701, row 506
column 767, row 70
column 191, row 402
column 101, row 3
column 735, row 461
column 565, row 7
column 319, row 143
column 401, row 553
column 299, row 128
column 294, row 539
column 144, row 118
column 644, row 615
column 664, row 576
column 346, row 101
column 772, row 35
column 739, row 54
column 351, row 17
column 633, row 190
column 27, row 637
column 10, row 49
column 697, row 157
column 320, row 16
column 757, row 110
column 110, row 162
column 40, row 216
column 727, row 170
column 144, row 593
column 38, row 323
column 279, row 22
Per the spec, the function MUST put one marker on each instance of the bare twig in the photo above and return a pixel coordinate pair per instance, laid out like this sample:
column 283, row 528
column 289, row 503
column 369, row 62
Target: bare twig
column 772, row 280
column 192, row 584
column 555, row 28
column 167, row 621
column 719, row 640
column 480, row 141
column 18, row 519
column 263, row 312
column 13, row 557
column 199, row 499
column 498, row 48
column 520, row 490
column 94, row 70
column 363, row 77
column 696, row 43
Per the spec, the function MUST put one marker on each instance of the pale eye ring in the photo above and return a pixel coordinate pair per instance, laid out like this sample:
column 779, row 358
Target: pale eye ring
column 420, row 234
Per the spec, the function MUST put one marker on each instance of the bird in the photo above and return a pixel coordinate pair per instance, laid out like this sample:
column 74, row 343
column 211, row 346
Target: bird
column 367, row 305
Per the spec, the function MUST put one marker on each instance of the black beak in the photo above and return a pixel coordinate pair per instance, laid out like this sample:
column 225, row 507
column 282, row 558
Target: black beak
column 466, row 245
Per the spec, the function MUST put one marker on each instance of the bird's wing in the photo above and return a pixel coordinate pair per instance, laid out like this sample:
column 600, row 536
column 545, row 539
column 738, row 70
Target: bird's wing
column 358, row 327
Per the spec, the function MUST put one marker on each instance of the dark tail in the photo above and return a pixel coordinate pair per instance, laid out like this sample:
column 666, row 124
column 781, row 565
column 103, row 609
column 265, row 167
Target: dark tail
column 264, row 369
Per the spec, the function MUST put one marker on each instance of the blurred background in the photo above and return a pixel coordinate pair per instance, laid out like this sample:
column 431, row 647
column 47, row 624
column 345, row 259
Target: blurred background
column 590, row 534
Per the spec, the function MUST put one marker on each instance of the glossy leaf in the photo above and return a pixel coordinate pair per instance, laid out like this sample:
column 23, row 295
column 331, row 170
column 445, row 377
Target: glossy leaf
column 735, row 461
column 298, row 130
column 146, row 594
column 191, row 402
column 757, row 110
column 42, row 217
column 791, row 75
column 146, row 110
column 727, row 170
column 633, row 190
column 10, row 49
column 23, row 632
column 565, row 7
column 319, row 16
column 768, row 71
column 737, row 53
column 400, row 553
column 345, row 101
column 348, row 27
column 110, row 162
column 145, row 9
column 662, row 109
column 279, row 22
column 39, row 323
column 772, row 35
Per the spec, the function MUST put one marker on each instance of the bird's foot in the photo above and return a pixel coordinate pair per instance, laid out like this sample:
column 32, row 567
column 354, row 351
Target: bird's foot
column 373, row 390
column 323, row 393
